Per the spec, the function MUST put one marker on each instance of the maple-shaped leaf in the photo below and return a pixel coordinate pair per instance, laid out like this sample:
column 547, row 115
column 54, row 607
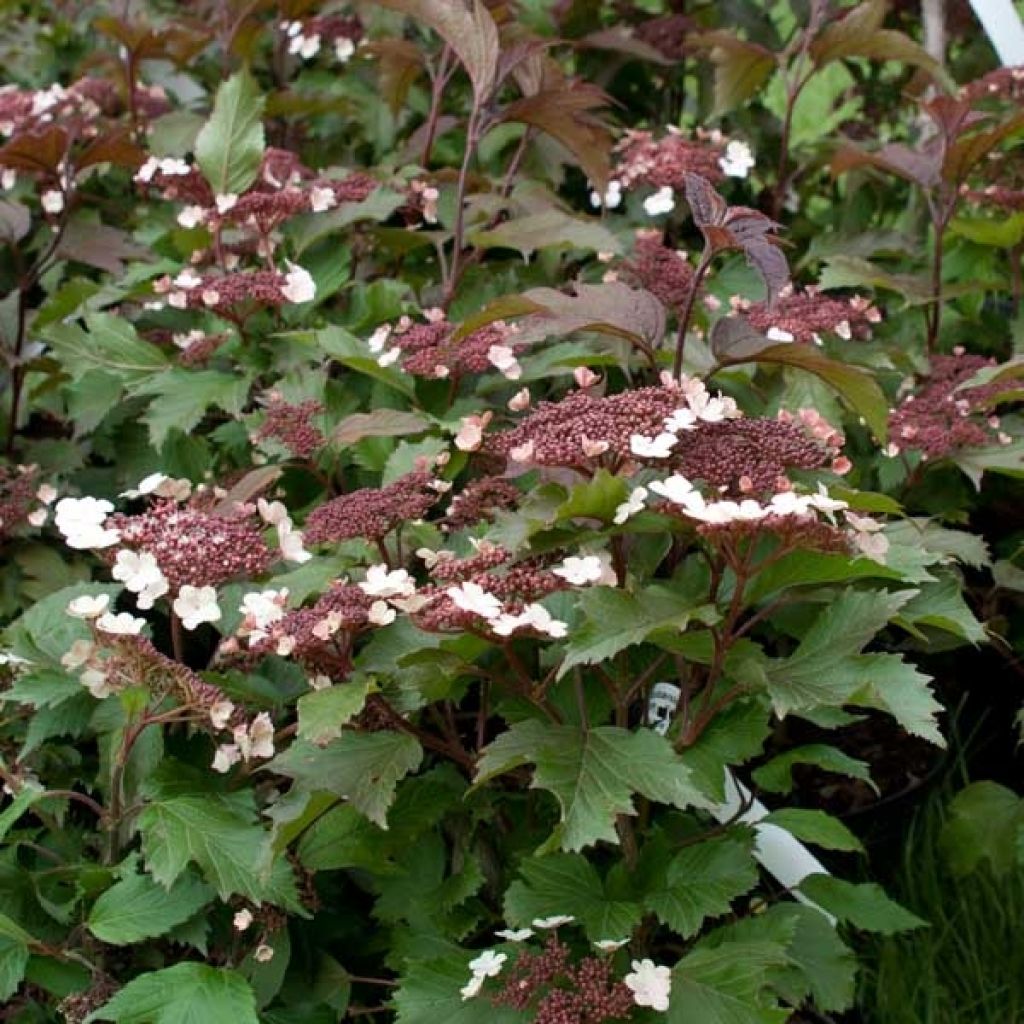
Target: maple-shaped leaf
column 738, row 227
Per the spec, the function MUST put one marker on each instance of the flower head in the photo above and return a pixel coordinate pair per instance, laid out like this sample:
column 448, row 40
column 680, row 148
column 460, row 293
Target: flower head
column 195, row 605
column 650, row 984
column 299, row 285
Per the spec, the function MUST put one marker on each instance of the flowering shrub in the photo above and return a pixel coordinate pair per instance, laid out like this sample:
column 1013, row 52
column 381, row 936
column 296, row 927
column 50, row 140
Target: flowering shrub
column 415, row 561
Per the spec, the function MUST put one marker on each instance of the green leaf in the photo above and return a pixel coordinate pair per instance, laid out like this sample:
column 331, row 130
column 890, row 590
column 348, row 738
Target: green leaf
column 187, row 993
column 1007, row 459
column 702, row 881
column 1002, row 233
column 727, row 984
column 592, row 774
column 567, row 883
column 348, row 350
column 137, row 908
column 813, row 568
column 735, row 735
column 429, row 994
column 107, row 343
column 550, row 229
column 614, row 620
column 322, row 713
column 985, row 823
column 27, row 796
column 777, row 775
column 815, row 827
column 854, row 385
column 230, row 145
column 741, row 69
column 13, row 961
column 363, row 768
column 183, row 396
column 597, row 498
column 942, row 606
column 864, row 905
column 232, row 851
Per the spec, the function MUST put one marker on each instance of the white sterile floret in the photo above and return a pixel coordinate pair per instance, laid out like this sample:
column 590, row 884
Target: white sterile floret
column 471, row 597
column 80, row 521
column 140, row 573
column 778, row 334
column 291, row 543
column 659, row 447
column 196, row 605
column 472, row 987
column 220, row 714
column 503, row 358
column 662, row 201
column 242, row 919
column 675, row 488
column 88, row 606
column 737, row 160
column 390, row 357
column 379, row 338
column 121, row 624
column 824, row 503
column 609, row 945
column 96, row 682
column 683, row 418
column 225, row 202
column 515, row 934
column 789, row 503
column 321, row 198
column 273, row 513
column 262, row 608
column 382, row 582
column 191, row 216
column 258, row 739
column 580, row 571
column 381, row 614
column 540, row 619
column 612, row 196
column 631, row 506
column 488, row 964
column 53, row 201
column 555, row 921
column 227, row 755
column 299, row 285
column 650, row 984
column 868, row 536
column 344, row 48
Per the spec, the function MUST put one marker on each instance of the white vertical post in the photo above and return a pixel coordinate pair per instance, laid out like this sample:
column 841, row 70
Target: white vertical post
column 1003, row 26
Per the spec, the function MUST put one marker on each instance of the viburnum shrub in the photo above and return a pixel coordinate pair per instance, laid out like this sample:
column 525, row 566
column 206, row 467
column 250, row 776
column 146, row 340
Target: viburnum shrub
column 439, row 517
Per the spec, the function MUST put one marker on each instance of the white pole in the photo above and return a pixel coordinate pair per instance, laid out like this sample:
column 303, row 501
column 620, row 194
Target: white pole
column 1001, row 22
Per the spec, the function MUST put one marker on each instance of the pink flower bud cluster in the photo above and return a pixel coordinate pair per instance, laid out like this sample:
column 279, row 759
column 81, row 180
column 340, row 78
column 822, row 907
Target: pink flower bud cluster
column 478, row 501
column 1003, row 84
column 225, row 294
column 292, row 425
column 664, row 162
column 18, row 496
column 940, row 417
column 192, row 546
column 663, row 271
column 371, row 512
column 804, row 315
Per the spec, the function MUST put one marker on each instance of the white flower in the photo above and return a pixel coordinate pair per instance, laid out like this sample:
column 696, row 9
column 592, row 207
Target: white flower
column 122, row 624
column 650, row 984
column 789, row 503
column 220, row 713
column 537, row 616
column 290, row 543
column 47, row 494
column 390, row 357
column 631, row 506
column 472, row 987
column 675, row 488
column 503, row 358
column 778, row 334
column 187, row 279
column 823, row 503
column 307, row 47
column 273, row 513
column 580, row 571
column 608, row 945
column 471, row 433
column 242, row 919
column 612, row 196
column 488, row 964
column 191, row 216
column 868, row 536
column 380, row 582
column 264, row 953
column 379, row 338
column 381, row 614
column 344, row 48
column 659, row 447
column 8, row 178
column 227, row 755
column 96, row 683
column 195, row 605
column 75, row 657
column 81, row 520
column 262, row 608
column 515, row 934
column 53, row 201
column 88, row 607
column 683, row 418
column 299, row 285
column 737, row 161
column 225, row 202
column 321, row 198
column 663, row 201
column 174, row 166
column 552, row 922
column 140, row 573
column 471, row 597
column 259, row 742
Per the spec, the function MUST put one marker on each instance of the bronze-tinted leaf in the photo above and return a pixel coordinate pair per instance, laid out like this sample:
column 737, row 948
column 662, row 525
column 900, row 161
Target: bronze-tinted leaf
column 741, row 68
column 619, row 39
column 379, row 423
column 115, row 147
column 39, row 151
column 400, row 63
column 468, row 28
column 706, row 205
column 98, row 245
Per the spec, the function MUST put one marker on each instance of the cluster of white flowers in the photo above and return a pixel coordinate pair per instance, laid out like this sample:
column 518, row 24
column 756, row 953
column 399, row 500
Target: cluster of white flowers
column 290, row 541
column 250, row 741
column 701, row 407
column 170, row 166
column 261, row 609
column 161, row 486
column 473, row 598
column 738, row 159
column 308, row 46
column 583, row 570
column 487, row 965
column 503, row 359
column 612, row 196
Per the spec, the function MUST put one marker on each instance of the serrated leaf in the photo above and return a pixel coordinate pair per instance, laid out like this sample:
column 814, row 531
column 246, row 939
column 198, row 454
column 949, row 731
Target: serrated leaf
column 567, row 883
column 347, row 349
column 183, row 396
column 230, row 145
column 13, row 961
column 702, row 881
column 942, row 606
column 322, row 713
column 138, row 908
column 975, row 462
column 863, row 905
column 985, row 823
column 735, row 735
column 551, row 229
column 361, row 767
column 379, row 423
column 593, row 775
column 187, row 993
column 107, row 343
column 741, row 68
column 815, row 827
column 776, row 775
column 614, row 620
column 429, row 994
